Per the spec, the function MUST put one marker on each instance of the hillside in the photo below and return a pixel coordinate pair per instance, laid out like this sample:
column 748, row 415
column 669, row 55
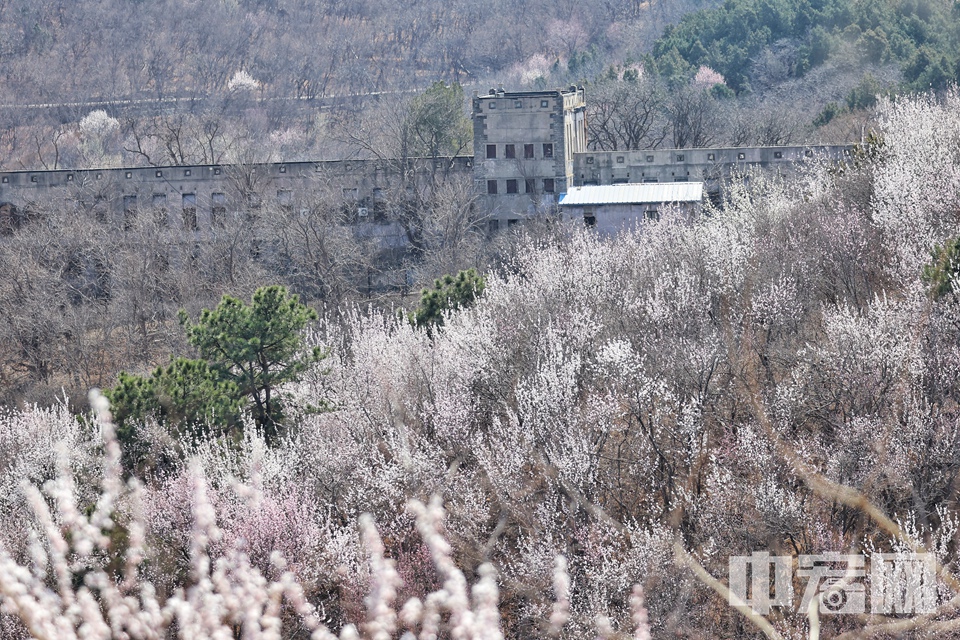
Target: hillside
column 775, row 378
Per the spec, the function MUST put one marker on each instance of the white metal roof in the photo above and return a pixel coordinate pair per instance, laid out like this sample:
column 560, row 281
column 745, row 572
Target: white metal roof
column 634, row 193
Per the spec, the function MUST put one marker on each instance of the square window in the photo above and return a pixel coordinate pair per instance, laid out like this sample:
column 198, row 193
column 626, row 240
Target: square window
column 33, row 178
column 187, row 172
column 492, row 187
column 649, row 158
column 778, row 154
column 544, row 104
column 528, row 151
column 216, row 171
column 518, row 104
column 619, row 159
column 548, row 185
column 511, row 186
column 6, row 179
column 589, row 219
column 159, row 174
column 99, row 176
column 711, row 157
column 528, row 185
column 590, row 160
column 741, row 156
column 808, row 153
column 129, row 174
column 69, row 177
column 679, row 157
column 491, row 151
column 283, row 169
column 510, row 151
column 548, row 150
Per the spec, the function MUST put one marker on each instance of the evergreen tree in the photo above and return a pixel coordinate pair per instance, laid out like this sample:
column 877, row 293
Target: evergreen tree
column 257, row 347
column 448, row 293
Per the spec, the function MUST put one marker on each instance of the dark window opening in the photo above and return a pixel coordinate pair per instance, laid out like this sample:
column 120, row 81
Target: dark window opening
column 190, row 211
column 589, row 219
column 510, row 151
column 511, row 186
column 548, row 185
column 129, row 212
column 548, row 150
column 491, row 151
column 492, row 187
column 159, row 203
column 528, row 151
column 528, row 185
column 218, row 210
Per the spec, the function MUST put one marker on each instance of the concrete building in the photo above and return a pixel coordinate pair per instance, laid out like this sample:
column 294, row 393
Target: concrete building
column 614, row 208
column 524, row 145
column 713, row 167
column 530, row 148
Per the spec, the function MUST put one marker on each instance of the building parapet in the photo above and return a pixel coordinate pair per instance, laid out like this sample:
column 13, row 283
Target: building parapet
column 709, row 165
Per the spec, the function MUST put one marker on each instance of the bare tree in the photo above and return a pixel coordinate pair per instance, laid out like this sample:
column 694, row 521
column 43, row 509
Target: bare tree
column 627, row 114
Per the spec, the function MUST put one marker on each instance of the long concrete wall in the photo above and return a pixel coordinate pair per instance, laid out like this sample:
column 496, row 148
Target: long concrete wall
column 710, row 166
column 368, row 187
column 371, row 188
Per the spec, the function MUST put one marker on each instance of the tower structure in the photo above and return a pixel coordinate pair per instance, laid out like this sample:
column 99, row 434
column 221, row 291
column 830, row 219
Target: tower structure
column 523, row 145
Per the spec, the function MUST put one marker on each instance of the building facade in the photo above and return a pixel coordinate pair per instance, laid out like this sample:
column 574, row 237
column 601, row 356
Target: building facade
column 613, row 208
column 712, row 166
column 530, row 148
column 524, row 145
